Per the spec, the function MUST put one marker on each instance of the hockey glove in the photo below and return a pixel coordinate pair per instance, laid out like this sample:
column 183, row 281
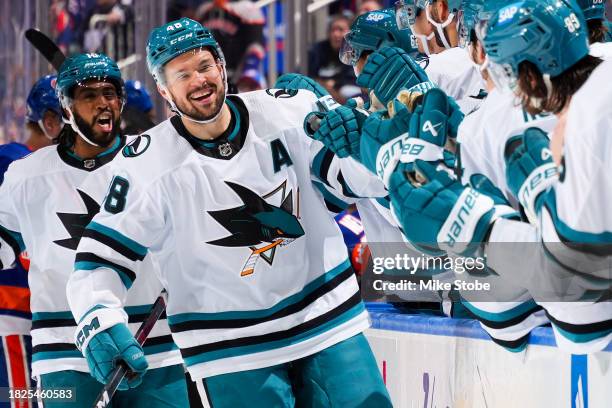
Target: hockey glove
column 485, row 186
column 530, row 170
column 383, row 139
column 105, row 342
column 388, row 70
column 442, row 215
column 299, row 81
column 340, row 131
column 433, row 121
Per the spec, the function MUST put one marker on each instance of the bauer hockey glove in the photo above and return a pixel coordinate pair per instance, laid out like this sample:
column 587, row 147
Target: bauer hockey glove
column 299, row 81
column 389, row 70
column 442, row 215
column 340, row 130
column 530, row 170
column 104, row 339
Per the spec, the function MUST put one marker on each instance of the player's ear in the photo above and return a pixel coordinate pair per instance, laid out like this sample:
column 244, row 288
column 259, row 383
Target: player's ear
column 163, row 91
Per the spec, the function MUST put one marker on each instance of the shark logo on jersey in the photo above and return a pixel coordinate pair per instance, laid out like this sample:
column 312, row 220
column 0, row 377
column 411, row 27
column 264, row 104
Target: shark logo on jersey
column 259, row 225
column 282, row 93
column 75, row 223
column 137, row 146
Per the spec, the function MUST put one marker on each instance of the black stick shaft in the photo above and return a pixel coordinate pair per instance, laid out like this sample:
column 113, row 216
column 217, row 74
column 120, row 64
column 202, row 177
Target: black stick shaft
column 105, row 396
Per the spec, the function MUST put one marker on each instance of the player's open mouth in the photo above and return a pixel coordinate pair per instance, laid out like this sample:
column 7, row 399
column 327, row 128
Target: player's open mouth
column 105, row 122
column 202, row 96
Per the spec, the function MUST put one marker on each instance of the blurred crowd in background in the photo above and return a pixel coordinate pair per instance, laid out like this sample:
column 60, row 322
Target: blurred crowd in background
column 113, row 27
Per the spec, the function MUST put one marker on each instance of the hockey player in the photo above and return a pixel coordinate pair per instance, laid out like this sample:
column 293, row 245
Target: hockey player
column 600, row 36
column 482, row 137
column 45, row 208
column 137, row 116
column 43, row 125
column 435, row 26
column 262, row 299
column 562, row 267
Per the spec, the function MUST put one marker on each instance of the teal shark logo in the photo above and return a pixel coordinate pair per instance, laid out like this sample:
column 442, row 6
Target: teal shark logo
column 257, row 224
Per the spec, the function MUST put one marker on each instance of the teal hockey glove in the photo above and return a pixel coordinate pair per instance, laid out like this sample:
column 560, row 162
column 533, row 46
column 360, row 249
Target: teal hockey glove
column 383, row 139
column 429, row 127
column 340, row 131
column 442, row 215
column 299, row 81
column 530, row 170
column 105, row 340
column 389, row 70
column 485, row 186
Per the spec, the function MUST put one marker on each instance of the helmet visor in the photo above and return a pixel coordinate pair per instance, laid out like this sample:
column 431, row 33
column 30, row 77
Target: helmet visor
column 348, row 54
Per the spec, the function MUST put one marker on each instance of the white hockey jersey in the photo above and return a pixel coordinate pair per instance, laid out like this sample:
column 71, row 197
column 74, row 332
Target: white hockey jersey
column 256, row 268
column 483, row 134
column 455, row 73
column 575, row 227
column 45, row 209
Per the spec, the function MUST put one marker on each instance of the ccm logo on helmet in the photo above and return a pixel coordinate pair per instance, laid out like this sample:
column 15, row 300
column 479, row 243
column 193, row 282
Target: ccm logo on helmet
column 181, row 38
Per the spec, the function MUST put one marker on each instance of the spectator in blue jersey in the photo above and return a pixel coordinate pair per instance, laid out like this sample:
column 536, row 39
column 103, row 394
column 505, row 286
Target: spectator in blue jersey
column 43, row 125
column 137, row 115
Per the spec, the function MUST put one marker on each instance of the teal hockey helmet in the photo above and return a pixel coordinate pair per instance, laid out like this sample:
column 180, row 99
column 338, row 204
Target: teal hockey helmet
column 373, row 30
column 76, row 71
column 551, row 34
column 175, row 38
column 592, row 9
column 81, row 68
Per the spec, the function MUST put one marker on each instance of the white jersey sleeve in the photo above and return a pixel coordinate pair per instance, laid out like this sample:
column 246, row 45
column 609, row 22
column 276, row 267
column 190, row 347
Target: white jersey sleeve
column 11, row 241
column 483, row 134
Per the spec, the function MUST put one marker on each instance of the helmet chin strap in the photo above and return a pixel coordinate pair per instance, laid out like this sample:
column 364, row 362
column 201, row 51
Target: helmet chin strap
column 71, row 121
column 44, row 129
column 440, row 26
column 182, row 114
column 424, row 40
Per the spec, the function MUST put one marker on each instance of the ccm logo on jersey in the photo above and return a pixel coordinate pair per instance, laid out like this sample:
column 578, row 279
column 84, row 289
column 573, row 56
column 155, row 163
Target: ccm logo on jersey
column 86, row 331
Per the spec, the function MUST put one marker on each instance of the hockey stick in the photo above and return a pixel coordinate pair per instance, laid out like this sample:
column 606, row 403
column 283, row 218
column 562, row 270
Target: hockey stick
column 105, row 396
column 46, row 47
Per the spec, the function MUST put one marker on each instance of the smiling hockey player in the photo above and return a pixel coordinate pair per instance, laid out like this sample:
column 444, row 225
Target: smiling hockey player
column 44, row 208
column 262, row 300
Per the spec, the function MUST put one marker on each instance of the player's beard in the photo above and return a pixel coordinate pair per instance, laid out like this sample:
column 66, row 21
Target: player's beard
column 189, row 107
column 102, row 139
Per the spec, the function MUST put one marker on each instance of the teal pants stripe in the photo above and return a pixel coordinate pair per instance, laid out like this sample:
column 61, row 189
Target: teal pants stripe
column 344, row 375
column 161, row 388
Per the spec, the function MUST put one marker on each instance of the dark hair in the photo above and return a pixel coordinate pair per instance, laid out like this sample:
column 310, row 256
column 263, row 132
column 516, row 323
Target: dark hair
column 66, row 137
column 338, row 17
column 597, row 30
column 534, row 93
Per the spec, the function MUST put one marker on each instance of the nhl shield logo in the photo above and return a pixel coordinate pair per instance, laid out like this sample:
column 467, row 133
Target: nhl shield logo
column 89, row 164
column 137, row 146
column 225, row 149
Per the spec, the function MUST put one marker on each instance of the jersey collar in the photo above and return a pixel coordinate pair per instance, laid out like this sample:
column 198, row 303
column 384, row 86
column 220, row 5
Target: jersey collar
column 92, row 164
column 230, row 142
